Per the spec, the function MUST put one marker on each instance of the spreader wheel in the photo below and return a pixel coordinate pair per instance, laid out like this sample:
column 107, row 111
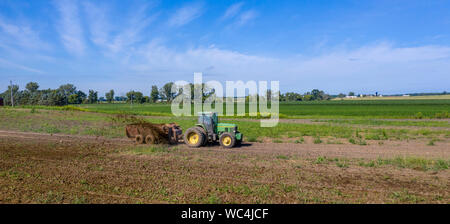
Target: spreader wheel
column 150, row 139
column 139, row 139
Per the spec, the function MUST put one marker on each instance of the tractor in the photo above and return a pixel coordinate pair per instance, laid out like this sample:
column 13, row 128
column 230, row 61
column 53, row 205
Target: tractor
column 209, row 130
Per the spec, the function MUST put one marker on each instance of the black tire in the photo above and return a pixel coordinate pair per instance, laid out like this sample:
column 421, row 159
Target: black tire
column 227, row 140
column 205, row 138
column 139, row 139
column 193, row 137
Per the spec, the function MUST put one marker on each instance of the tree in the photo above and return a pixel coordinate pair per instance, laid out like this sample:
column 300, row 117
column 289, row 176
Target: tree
column 120, row 98
column 315, row 94
column 308, row 97
column 31, row 95
column 56, row 98
column 351, row 93
column 67, row 89
column 291, row 96
column 81, row 96
column 7, row 95
column 154, row 95
column 269, row 95
column 32, row 87
column 341, row 95
column 166, row 92
column 73, row 99
column 202, row 90
column 135, row 97
column 92, row 98
column 110, row 96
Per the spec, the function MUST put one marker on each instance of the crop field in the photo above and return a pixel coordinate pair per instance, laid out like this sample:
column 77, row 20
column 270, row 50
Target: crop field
column 436, row 108
column 81, row 155
column 425, row 97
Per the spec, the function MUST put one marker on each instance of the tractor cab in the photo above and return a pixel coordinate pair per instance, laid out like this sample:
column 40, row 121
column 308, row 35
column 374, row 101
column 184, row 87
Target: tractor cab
column 208, row 121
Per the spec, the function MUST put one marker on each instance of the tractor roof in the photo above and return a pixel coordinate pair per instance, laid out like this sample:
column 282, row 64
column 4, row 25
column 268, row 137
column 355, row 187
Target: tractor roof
column 206, row 113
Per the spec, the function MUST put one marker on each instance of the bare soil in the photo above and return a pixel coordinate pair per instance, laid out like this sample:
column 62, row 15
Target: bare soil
column 45, row 168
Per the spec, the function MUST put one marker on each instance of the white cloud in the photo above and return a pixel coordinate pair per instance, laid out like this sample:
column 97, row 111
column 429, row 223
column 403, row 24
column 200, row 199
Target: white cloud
column 369, row 68
column 185, row 15
column 69, row 26
column 233, row 10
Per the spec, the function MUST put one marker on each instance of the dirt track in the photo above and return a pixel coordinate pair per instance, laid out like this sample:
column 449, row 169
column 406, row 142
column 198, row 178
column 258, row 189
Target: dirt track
column 44, row 168
column 389, row 149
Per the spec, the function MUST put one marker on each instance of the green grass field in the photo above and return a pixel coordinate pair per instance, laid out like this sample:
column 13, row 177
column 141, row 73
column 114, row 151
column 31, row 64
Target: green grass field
column 101, row 124
column 353, row 120
column 428, row 97
column 438, row 108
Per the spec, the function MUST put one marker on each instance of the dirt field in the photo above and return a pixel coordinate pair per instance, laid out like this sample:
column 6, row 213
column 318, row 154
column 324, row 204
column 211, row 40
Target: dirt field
column 57, row 168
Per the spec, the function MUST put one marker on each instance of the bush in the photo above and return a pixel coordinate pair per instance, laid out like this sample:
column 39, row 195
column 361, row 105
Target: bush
column 317, row 140
column 418, row 115
column 442, row 115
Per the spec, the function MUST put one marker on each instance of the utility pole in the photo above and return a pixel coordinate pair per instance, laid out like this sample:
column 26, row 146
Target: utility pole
column 12, row 98
column 131, row 100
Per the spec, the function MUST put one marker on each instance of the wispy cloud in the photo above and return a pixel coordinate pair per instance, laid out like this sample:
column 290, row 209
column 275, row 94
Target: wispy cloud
column 99, row 25
column 185, row 15
column 8, row 64
column 233, row 10
column 129, row 32
column 21, row 35
column 246, row 17
column 69, row 26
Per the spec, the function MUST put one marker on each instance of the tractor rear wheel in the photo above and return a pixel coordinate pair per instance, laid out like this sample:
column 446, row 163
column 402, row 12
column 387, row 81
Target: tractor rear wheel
column 205, row 138
column 193, row 137
column 227, row 140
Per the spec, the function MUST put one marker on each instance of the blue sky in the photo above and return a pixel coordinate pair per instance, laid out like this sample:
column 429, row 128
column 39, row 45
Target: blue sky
column 337, row 46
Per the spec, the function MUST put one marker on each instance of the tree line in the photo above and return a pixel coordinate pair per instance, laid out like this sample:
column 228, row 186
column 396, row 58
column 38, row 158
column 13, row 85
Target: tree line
column 315, row 94
column 69, row 94
column 32, row 95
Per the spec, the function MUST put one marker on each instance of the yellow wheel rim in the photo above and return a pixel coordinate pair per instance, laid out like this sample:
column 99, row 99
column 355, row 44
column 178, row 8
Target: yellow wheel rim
column 226, row 141
column 193, row 138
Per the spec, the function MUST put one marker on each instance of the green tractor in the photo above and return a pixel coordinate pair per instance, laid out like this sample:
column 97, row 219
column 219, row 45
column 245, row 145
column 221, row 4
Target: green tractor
column 208, row 129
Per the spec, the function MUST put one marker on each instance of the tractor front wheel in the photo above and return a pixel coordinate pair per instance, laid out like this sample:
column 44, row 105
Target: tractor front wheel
column 227, row 140
column 193, row 137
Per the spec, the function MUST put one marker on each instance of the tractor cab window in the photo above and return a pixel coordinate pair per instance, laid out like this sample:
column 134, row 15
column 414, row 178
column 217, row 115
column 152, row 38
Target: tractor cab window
column 207, row 121
column 201, row 119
